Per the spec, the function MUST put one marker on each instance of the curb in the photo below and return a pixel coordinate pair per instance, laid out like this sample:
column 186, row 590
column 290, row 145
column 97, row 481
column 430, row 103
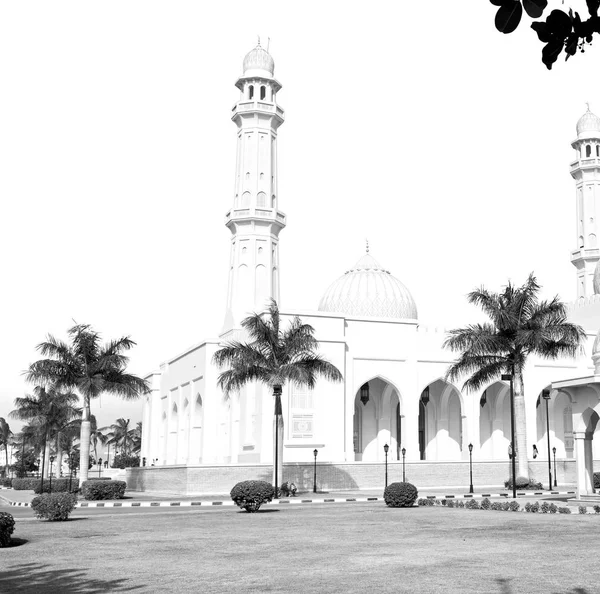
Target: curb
column 290, row 501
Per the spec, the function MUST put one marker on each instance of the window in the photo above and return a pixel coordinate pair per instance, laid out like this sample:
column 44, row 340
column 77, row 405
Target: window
column 263, row 92
column 597, row 150
column 301, row 413
column 588, row 151
column 251, row 92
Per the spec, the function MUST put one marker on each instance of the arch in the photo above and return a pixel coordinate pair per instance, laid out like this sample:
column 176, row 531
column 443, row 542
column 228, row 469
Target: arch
column 245, row 200
column 195, row 453
column 263, row 92
column 273, row 201
column 377, row 420
column 250, row 91
column 442, row 380
column 588, row 421
column 261, row 200
column 588, row 150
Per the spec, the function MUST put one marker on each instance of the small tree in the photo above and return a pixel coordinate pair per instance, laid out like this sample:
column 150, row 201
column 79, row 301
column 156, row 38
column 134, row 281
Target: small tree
column 274, row 357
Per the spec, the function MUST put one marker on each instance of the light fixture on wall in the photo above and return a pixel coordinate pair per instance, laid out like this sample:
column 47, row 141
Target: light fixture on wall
column 364, row 393
column 425, row 396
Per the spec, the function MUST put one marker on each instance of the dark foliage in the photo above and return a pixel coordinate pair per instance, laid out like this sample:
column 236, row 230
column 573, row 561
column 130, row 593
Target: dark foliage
column 122, row 461
column 58, row 485
column 561, row 31
column 96, row 490
column 54, row 506
column 250, row 495
column 523, row 483
column 6, row 482
column 596, row 480
column 400, row 495
column 7, row 527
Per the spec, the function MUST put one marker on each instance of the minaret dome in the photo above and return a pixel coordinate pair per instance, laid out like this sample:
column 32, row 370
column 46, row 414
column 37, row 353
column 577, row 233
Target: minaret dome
column 588, row 125
column 259, row 62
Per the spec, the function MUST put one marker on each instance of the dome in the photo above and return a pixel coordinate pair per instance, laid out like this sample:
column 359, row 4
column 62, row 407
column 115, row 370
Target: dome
column 588, row 124
column 367, row 290
column 259, row 59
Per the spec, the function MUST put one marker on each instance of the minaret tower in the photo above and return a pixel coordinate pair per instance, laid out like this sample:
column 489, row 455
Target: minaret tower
column 586, row 172
column 254, row 220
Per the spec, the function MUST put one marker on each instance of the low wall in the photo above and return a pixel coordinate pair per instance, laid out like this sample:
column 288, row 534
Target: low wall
column 218, row 479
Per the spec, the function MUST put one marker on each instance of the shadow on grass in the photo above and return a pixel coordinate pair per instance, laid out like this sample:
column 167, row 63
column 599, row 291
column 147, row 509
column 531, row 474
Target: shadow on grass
column 505, row 588
column 260, row 511
column 16, row 542
column 35, row 577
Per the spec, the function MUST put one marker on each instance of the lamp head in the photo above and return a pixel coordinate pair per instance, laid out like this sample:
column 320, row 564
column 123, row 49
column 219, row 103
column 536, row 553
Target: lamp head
column 546, row 394
column 470, row 447
column 554, row 451
column 315, row 452
column 404, row 451
column 386, row 448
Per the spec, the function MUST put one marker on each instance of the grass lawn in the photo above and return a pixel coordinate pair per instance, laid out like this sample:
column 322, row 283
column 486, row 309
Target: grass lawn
column 307, row 549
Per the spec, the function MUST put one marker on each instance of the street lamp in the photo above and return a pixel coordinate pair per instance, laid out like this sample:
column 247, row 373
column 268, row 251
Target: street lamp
column 51, row 463
column 403, row 467
column 99, row 467
column 315, row 452
column 554, row 452
column 546, row 397
column 513, row 452
column 471, row 467
column 386, row 449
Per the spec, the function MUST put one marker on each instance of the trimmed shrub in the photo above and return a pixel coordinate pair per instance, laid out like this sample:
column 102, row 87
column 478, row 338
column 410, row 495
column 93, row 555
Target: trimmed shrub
column 597, row 509
column 545, row 507
column 564, row 510
column 250, row 495
column 505, row 505
column 54, row 506
column 496, row 506
column 6, row 482
column 523, row 483
column 514, row 506
column 582, row 509
column 596, row 480
column 424, row 502
column 472, row 504
column 451, row 503
column 7, row 527
column 553, row 508
column 25, row 484
column 486, row 503
column 460, row 503
column 96, row 490
column 400, row 495
column 59, row 485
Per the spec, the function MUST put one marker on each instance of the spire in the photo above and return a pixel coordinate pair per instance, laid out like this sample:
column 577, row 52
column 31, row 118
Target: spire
column 367, row 245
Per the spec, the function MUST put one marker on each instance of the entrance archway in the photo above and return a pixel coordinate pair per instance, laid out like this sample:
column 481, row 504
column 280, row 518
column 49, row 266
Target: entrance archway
column 494, row 422
column 378, row 420
column 440, row 422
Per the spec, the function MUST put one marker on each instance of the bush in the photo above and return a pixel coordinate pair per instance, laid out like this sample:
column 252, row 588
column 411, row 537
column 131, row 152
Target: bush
column 6, row 482
column 250, row 495
column 472, row 504
column 597, row 509
column 460, row 503
column 596, row 480
column 7, row 526
column 523, row 483
column 514, row 506
column 582, row 509
column 95, row 490
column 505, row 505
column 486, row 503
column 400, row 495
column 59, row 485
column 121, row 461
column 54, row 506
column 496, row 506
column 545, row 507
column 564, row 510
column 25, row 484
column 424, row 502
column 451, row 503
column 553, row 508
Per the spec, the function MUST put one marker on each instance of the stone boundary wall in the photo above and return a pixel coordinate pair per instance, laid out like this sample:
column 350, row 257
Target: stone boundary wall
column 219, row 479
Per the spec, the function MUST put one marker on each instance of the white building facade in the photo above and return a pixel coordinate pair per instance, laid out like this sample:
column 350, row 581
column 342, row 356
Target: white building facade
column 393, row 391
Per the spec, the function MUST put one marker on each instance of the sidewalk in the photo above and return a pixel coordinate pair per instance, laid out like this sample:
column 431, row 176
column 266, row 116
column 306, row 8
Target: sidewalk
column 158, row 499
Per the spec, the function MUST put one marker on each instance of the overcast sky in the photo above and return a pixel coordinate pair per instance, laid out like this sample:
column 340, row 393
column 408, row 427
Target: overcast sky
column 415, row 125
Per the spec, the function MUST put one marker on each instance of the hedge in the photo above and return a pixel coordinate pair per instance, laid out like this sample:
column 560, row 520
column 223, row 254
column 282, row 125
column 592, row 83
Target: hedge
column 6, row 482
column 250, row 495
column 54, row 506
column 59, row 485
column 95, row 490
column 596, row 480
column 7, row 527
column 400, row 495
column 523, row 483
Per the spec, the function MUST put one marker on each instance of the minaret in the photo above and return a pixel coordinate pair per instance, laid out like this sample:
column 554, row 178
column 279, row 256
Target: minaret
column 586, row 172
column 254, row 220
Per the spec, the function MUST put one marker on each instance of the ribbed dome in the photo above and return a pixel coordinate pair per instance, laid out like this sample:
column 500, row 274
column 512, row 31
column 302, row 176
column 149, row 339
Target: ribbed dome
column 367, row 290
column 588, row 124
column 259, row 59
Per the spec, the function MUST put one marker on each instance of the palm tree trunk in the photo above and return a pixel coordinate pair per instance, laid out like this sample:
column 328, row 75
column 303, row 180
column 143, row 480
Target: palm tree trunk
column 45, row 446
column 58, row 456
column 84, row 441
column 278, row 441
column 6, row 452
column 520, row 426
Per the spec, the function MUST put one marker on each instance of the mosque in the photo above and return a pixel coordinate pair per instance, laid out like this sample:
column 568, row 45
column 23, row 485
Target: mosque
column 393, row 391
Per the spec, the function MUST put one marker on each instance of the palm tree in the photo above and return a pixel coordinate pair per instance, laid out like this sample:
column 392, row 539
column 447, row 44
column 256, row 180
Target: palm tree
column 136, row 438
column 273, row 358
column 5, row 435
column 96, row 436
column 91, row 369
column 519, row 326
column 48, row 410
column 119, row 434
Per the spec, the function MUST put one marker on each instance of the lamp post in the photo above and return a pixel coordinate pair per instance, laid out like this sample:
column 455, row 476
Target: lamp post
column 403, row 465
column 315, row 452
column 554, row 452
column 546, row 397
column 38, row 461
column 386, row 449
column 99, row 467
column 509, row 377
column 70, row 469
column 471, row 467
column 51, row 463
column 108, row 455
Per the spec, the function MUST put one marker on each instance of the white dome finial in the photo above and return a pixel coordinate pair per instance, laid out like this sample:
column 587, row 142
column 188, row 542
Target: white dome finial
column 588, row 125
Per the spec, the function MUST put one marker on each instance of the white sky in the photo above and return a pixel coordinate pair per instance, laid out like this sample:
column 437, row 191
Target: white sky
column 415, row 125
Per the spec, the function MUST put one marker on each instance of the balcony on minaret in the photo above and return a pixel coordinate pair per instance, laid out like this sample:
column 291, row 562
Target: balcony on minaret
column 257, row 106
column 269, row 214
column 585, row 163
